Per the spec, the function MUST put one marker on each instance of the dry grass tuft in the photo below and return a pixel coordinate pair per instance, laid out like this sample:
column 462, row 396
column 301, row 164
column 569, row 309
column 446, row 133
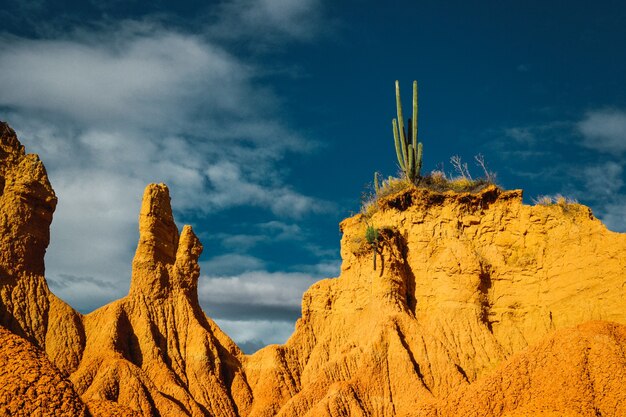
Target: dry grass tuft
column 557, row 199
column 436, row 181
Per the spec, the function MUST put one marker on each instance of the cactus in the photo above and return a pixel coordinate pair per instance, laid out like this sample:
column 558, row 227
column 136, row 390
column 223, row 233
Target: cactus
column 408, row 149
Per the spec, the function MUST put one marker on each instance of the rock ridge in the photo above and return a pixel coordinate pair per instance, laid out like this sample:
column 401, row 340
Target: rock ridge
column 155, row 347
column 465, row 281
column 479, row 305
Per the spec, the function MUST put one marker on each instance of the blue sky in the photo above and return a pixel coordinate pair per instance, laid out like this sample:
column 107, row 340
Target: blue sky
column 268, row 118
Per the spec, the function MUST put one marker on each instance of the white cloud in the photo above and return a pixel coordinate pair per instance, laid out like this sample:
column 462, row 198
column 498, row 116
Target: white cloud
column 558, row 154
column 603, row 180
column 262, row 233
column 520, row 134
column 258, row 307
column 86, row 291
column 604, row 130
column 231, row 263
column 112, row 111
column 270, row 19
column 253, row 334
column 326, row 269
column 603, row 184
column 230, row 187
column 121, row 76
column 256, row 288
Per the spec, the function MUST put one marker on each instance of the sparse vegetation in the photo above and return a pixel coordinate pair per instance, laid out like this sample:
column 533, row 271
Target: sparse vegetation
column 372, row 236
column 566, row 204
column 439, row 181
column 389, row 186
column 409, row 154
column 557, row 199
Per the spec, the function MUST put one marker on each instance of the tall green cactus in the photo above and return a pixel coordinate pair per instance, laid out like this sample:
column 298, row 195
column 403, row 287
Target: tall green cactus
column 408, row 149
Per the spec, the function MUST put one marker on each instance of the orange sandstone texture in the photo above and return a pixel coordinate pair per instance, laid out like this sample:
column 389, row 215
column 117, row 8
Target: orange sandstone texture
column 465, row 281
column 30, row 385
column 104, row 408
column 27, row 307
column 574, row 372
column 470, row 312
column 155, row 351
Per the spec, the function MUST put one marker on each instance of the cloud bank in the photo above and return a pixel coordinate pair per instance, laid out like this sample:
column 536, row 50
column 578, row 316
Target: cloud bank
column 114, row 108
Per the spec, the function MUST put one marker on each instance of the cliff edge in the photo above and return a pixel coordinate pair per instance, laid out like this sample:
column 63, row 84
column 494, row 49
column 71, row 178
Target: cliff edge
column 476, row 305
column 463, row 282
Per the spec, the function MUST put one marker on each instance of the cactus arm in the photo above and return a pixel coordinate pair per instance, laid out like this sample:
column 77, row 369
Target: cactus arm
column 411, row 170
column 414, row 124
column 399, row 148
column 419, row 159
column 410, row 132
column 401, row 120
column 408, row 147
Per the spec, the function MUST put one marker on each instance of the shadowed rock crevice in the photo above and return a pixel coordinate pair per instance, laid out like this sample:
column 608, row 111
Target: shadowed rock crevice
column 127, row 342
column 416, row 366
column 484, row 297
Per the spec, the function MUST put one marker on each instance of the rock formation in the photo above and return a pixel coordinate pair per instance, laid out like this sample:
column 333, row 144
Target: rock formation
column 576, row 372
column 465, row 281
column 476, row 307
column 31, row 385
column 155, row 351
column 27, row 307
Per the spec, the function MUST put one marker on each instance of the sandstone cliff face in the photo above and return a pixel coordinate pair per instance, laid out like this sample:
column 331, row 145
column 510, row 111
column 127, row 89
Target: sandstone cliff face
column 470, row 311
column 27, row 306
column 573, row 372
column 465, row 281
column 31, row 385
column 155, row 351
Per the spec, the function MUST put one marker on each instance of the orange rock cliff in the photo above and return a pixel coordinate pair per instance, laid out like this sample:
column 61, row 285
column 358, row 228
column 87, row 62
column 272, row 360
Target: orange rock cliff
column 479, row 305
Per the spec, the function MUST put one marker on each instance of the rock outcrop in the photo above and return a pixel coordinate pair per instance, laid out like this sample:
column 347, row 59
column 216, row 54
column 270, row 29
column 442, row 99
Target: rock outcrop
column 31, row 385
column 155, row 351
column 463, row 282
column 475, row 307
column 152, row 353
column 576, row 372
column 27, row 307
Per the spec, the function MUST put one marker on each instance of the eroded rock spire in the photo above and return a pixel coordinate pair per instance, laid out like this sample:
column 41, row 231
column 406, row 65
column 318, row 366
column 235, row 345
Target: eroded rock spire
column 164, row 261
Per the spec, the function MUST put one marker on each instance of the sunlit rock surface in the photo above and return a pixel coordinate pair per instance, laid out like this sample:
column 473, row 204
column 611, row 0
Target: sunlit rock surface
column 478, row 305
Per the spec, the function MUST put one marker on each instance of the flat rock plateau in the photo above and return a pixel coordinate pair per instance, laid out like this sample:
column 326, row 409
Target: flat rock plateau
column 479, row 306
